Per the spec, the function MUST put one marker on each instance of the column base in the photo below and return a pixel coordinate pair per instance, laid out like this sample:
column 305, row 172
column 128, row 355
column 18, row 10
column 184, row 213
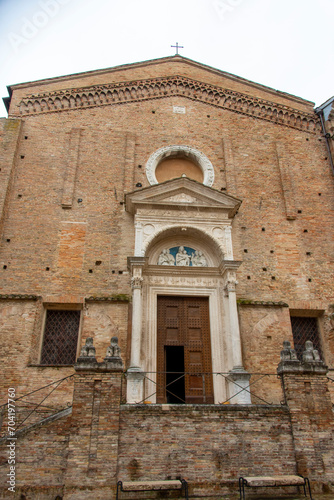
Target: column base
column 135, row 385
column 238, row 386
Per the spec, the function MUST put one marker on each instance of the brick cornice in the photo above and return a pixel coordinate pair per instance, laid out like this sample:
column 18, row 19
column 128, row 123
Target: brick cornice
column 17, row 296
column 269, row 303
column 158, row 88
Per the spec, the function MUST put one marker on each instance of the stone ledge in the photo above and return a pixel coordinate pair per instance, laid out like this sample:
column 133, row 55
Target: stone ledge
column 249, row 302
column 155, row 408
column 18, row 296
column 110, row 298
column 301, row 368
column 89, row 364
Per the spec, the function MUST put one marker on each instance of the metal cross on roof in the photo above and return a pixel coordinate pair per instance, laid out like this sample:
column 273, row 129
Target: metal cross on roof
column 177, row 47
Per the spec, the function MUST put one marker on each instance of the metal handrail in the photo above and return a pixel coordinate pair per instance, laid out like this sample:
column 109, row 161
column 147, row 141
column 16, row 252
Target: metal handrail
column 225, row 375
column 38, row 405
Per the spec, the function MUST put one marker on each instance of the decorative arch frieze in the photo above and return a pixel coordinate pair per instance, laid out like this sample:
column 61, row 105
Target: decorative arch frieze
column 158, row 88
column 174, row 235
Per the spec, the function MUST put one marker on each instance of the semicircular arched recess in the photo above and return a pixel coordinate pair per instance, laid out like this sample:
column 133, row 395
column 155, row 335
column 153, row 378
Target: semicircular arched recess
column 192, row 239
column 194, row 155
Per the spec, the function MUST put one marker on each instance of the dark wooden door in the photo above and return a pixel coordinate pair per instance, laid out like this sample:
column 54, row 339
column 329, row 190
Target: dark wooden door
column 184, row 331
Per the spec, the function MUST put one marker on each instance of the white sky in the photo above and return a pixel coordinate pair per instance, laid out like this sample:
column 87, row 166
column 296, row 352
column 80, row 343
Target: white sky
column 285, row 44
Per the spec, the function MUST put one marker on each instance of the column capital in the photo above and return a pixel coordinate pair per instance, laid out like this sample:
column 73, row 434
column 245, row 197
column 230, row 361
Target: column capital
column 137, row 282
column 229, row 273
column 136, row 262
column 227, row 266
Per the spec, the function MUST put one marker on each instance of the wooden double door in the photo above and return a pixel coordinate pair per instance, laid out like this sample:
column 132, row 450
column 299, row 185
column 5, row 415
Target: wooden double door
column 184, row 350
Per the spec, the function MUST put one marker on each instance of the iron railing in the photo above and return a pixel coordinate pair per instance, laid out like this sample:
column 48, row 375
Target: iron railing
column 31, row 407
column 263, row 388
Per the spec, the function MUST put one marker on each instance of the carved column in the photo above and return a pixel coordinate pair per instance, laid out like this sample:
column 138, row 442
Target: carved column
column 135, row 375
column 238, row 380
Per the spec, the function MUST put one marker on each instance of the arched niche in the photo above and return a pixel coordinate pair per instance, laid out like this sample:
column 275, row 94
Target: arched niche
column 177, row 161
column 188, row 237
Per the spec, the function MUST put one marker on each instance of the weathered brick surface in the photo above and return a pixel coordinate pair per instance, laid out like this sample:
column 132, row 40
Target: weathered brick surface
column 65, row 235
column 100, row 320
column 210, row 446
column 312, row 424
column 93, row 446
column 9, row 141
column 204, row 445
column 41, row 457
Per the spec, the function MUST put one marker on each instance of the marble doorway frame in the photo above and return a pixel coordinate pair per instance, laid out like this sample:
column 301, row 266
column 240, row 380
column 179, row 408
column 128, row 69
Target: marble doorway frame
column 217, row 332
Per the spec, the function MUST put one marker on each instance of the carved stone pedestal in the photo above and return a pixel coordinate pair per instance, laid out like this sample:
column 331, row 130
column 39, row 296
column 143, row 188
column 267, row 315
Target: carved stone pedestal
column 238, row 386
column 135, row 385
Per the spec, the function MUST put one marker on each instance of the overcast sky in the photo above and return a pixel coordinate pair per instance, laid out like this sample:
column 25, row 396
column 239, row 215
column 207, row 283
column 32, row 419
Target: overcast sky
column 285, row 44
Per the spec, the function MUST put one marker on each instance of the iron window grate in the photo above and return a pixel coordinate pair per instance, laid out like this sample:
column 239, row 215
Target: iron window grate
column 60, row 337
column 304, row 329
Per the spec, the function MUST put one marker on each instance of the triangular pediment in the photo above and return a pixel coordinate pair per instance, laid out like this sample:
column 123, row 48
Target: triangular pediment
column 164, row 79
column 180, row 194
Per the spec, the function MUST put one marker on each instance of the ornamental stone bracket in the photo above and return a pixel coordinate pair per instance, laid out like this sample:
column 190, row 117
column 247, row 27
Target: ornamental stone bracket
column 228, row 270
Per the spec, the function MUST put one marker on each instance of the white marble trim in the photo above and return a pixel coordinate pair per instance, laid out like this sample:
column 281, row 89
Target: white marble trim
column 193, row 154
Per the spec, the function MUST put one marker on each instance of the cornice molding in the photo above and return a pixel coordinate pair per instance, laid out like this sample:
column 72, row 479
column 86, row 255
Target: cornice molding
column 16, row 296
column 109, row 298
column 159, row 88
column 269, row 303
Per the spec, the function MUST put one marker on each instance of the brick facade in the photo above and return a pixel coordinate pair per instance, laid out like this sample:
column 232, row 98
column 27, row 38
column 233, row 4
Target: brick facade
column 73, row 156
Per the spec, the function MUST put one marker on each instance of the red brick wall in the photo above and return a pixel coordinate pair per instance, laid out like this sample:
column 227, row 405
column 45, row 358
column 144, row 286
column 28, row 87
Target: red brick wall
column 212, row 445
column 312, row 424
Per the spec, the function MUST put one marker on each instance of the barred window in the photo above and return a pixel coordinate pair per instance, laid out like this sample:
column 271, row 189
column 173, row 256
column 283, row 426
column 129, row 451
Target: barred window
column 303, row 329
column 60, row 337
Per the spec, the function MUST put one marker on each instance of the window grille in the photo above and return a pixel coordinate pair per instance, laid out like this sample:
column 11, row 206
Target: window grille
column 304, row 329
column 60, row 337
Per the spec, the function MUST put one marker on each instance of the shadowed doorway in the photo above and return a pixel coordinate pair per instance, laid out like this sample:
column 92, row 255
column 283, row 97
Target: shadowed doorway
column 175, row 388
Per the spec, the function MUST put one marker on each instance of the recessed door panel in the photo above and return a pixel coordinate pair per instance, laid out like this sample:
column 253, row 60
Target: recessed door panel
column 183, row 322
